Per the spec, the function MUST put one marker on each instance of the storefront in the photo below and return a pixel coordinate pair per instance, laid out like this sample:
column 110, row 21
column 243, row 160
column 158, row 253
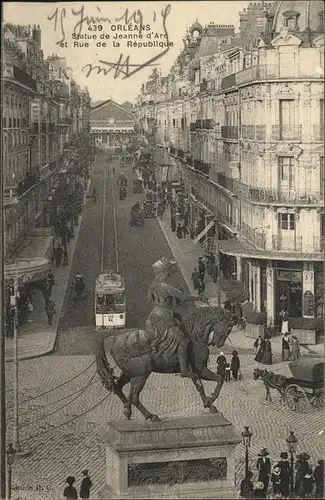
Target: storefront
column 289, row 288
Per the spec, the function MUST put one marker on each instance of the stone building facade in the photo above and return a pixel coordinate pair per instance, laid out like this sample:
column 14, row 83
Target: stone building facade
column 38, row 128
column 240, row 118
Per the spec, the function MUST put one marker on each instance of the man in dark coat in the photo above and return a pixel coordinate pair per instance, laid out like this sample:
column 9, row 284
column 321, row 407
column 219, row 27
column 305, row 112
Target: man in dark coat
column 70, row 492
column 221, row 362
column 195, row 279
column 85, row 486
column 319, row 479
column 50, row 311
column 58, row 255
column 263, row 465
column 285, row 474
column 235, row 365
column 302, row 467
column 201, row 268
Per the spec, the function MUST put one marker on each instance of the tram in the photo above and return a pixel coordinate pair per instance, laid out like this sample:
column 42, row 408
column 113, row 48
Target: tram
column 110, row 300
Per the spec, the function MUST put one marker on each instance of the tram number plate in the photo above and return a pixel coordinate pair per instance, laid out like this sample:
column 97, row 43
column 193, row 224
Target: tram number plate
column 110, row 317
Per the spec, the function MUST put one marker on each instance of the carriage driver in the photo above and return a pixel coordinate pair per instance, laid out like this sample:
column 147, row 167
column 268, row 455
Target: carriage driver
column 165, row 298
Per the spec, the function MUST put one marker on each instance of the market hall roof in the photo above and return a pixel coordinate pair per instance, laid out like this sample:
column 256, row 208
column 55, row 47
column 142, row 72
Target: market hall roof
column 111, row 112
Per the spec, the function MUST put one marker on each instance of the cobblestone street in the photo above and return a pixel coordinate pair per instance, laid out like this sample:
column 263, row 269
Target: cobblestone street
column 64, row 427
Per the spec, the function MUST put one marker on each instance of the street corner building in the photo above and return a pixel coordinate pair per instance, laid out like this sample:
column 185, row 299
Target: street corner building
column 46, row 150
column 240, row 120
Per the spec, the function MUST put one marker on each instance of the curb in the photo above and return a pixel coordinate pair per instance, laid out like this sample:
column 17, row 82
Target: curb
column 56, row 325
column 308, row 351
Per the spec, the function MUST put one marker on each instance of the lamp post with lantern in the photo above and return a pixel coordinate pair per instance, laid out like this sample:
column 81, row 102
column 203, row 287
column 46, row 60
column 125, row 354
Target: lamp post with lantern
column 246, row 435
column 292, row 441
column 11, row 452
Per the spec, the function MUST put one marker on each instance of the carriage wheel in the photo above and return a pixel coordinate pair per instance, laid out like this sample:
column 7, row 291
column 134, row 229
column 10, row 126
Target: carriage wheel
column 296, row 398
column 317, row 399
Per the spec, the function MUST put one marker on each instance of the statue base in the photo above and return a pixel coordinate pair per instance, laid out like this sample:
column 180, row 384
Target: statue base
column 190, row 457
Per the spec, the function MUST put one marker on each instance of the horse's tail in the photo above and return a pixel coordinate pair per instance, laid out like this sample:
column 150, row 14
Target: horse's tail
column 104, row 369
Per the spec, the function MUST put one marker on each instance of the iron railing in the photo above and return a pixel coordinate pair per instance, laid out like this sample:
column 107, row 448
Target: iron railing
column 302, row 244
column 286, row 132
column 253, row 132
column 229, row 132
column 267, row 72
column 303, row 196
column 255, row 236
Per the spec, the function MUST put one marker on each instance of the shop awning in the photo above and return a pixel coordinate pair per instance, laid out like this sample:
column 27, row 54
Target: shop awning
column 27, row 270
column 237, row 248
column 204, row 232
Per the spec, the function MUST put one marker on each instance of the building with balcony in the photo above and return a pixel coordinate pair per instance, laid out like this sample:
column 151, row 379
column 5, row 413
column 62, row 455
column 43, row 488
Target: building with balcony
column 35, row 100
column 112, row 125
column 255, row 160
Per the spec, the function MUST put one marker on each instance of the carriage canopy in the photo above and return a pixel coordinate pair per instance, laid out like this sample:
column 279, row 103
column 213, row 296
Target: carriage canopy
column 308, row 370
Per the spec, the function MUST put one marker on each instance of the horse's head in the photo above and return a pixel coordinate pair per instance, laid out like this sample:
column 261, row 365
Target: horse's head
column 210, row 325
column 257, row 373
column 164, row 266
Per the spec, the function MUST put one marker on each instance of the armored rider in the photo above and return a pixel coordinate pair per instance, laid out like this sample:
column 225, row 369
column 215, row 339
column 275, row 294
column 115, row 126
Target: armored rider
column 165, row 298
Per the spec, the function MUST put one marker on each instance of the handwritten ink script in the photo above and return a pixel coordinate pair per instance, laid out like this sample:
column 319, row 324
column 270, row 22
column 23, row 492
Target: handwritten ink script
column 131, row 21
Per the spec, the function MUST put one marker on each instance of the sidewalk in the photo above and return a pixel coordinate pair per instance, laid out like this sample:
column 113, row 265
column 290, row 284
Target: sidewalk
column 187, row 253
column 36, row 338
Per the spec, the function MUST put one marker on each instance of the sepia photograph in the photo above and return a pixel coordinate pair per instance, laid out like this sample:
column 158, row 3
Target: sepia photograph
column 162, row 250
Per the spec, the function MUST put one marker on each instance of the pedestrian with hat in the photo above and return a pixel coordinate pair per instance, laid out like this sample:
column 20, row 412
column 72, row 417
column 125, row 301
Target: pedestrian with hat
column 70, row 492
column 285, row 474
column 263, row 466
column 201, row 268
column 319, row 479
column 302, row 467
column 86, row 484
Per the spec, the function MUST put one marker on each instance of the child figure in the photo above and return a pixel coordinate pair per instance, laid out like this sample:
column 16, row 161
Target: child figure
column 227, row 377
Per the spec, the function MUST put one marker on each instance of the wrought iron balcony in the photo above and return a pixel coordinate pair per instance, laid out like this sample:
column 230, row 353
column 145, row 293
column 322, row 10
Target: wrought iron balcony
column 229, row 132
column 268, row 72
column 255, row 236
column 302, row 244
column 286, row 132
column 272, row 195
column 253, row 132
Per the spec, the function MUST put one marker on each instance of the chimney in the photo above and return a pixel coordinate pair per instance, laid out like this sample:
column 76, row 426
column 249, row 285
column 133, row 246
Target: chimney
column 37, row 35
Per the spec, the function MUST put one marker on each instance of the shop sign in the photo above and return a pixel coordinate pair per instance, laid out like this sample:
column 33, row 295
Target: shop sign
column 309, row 304
column 35, row 111
column 288, row 275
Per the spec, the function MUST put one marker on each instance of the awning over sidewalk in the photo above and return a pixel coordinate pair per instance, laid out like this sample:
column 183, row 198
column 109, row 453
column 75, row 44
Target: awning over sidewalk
column 32, row 258
column 27, row 270
column 239, row 249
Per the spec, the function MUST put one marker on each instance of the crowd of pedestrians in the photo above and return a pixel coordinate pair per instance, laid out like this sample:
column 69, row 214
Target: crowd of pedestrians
column 275, row 481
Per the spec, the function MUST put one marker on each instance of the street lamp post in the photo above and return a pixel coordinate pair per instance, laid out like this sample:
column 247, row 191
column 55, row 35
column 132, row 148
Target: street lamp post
column 292, row 441
column 10, row 460
column 246, row 435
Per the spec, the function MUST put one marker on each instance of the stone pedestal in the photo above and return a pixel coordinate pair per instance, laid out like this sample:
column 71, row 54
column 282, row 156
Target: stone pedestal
column 190, row 457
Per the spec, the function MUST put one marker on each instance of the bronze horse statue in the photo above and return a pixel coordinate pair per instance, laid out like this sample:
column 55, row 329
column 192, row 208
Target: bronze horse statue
column 138, row 353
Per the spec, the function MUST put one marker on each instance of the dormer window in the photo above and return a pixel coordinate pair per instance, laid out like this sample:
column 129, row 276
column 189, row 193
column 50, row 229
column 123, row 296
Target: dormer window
column 291, row 20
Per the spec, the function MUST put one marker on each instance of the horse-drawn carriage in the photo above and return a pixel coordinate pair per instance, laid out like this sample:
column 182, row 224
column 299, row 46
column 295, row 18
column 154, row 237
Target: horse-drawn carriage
column 137, row 216
column 138, row 186
column 150, row 210
column 306, row 387
column 303, row 390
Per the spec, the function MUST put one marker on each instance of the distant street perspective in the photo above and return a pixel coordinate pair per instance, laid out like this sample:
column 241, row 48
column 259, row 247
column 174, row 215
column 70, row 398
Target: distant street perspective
column 162, row 329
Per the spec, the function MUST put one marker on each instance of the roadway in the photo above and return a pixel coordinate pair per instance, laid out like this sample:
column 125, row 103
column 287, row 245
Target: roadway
column 138, row 249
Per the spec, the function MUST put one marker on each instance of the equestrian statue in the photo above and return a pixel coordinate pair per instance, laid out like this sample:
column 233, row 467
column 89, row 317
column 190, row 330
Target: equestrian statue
column 171, row 343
